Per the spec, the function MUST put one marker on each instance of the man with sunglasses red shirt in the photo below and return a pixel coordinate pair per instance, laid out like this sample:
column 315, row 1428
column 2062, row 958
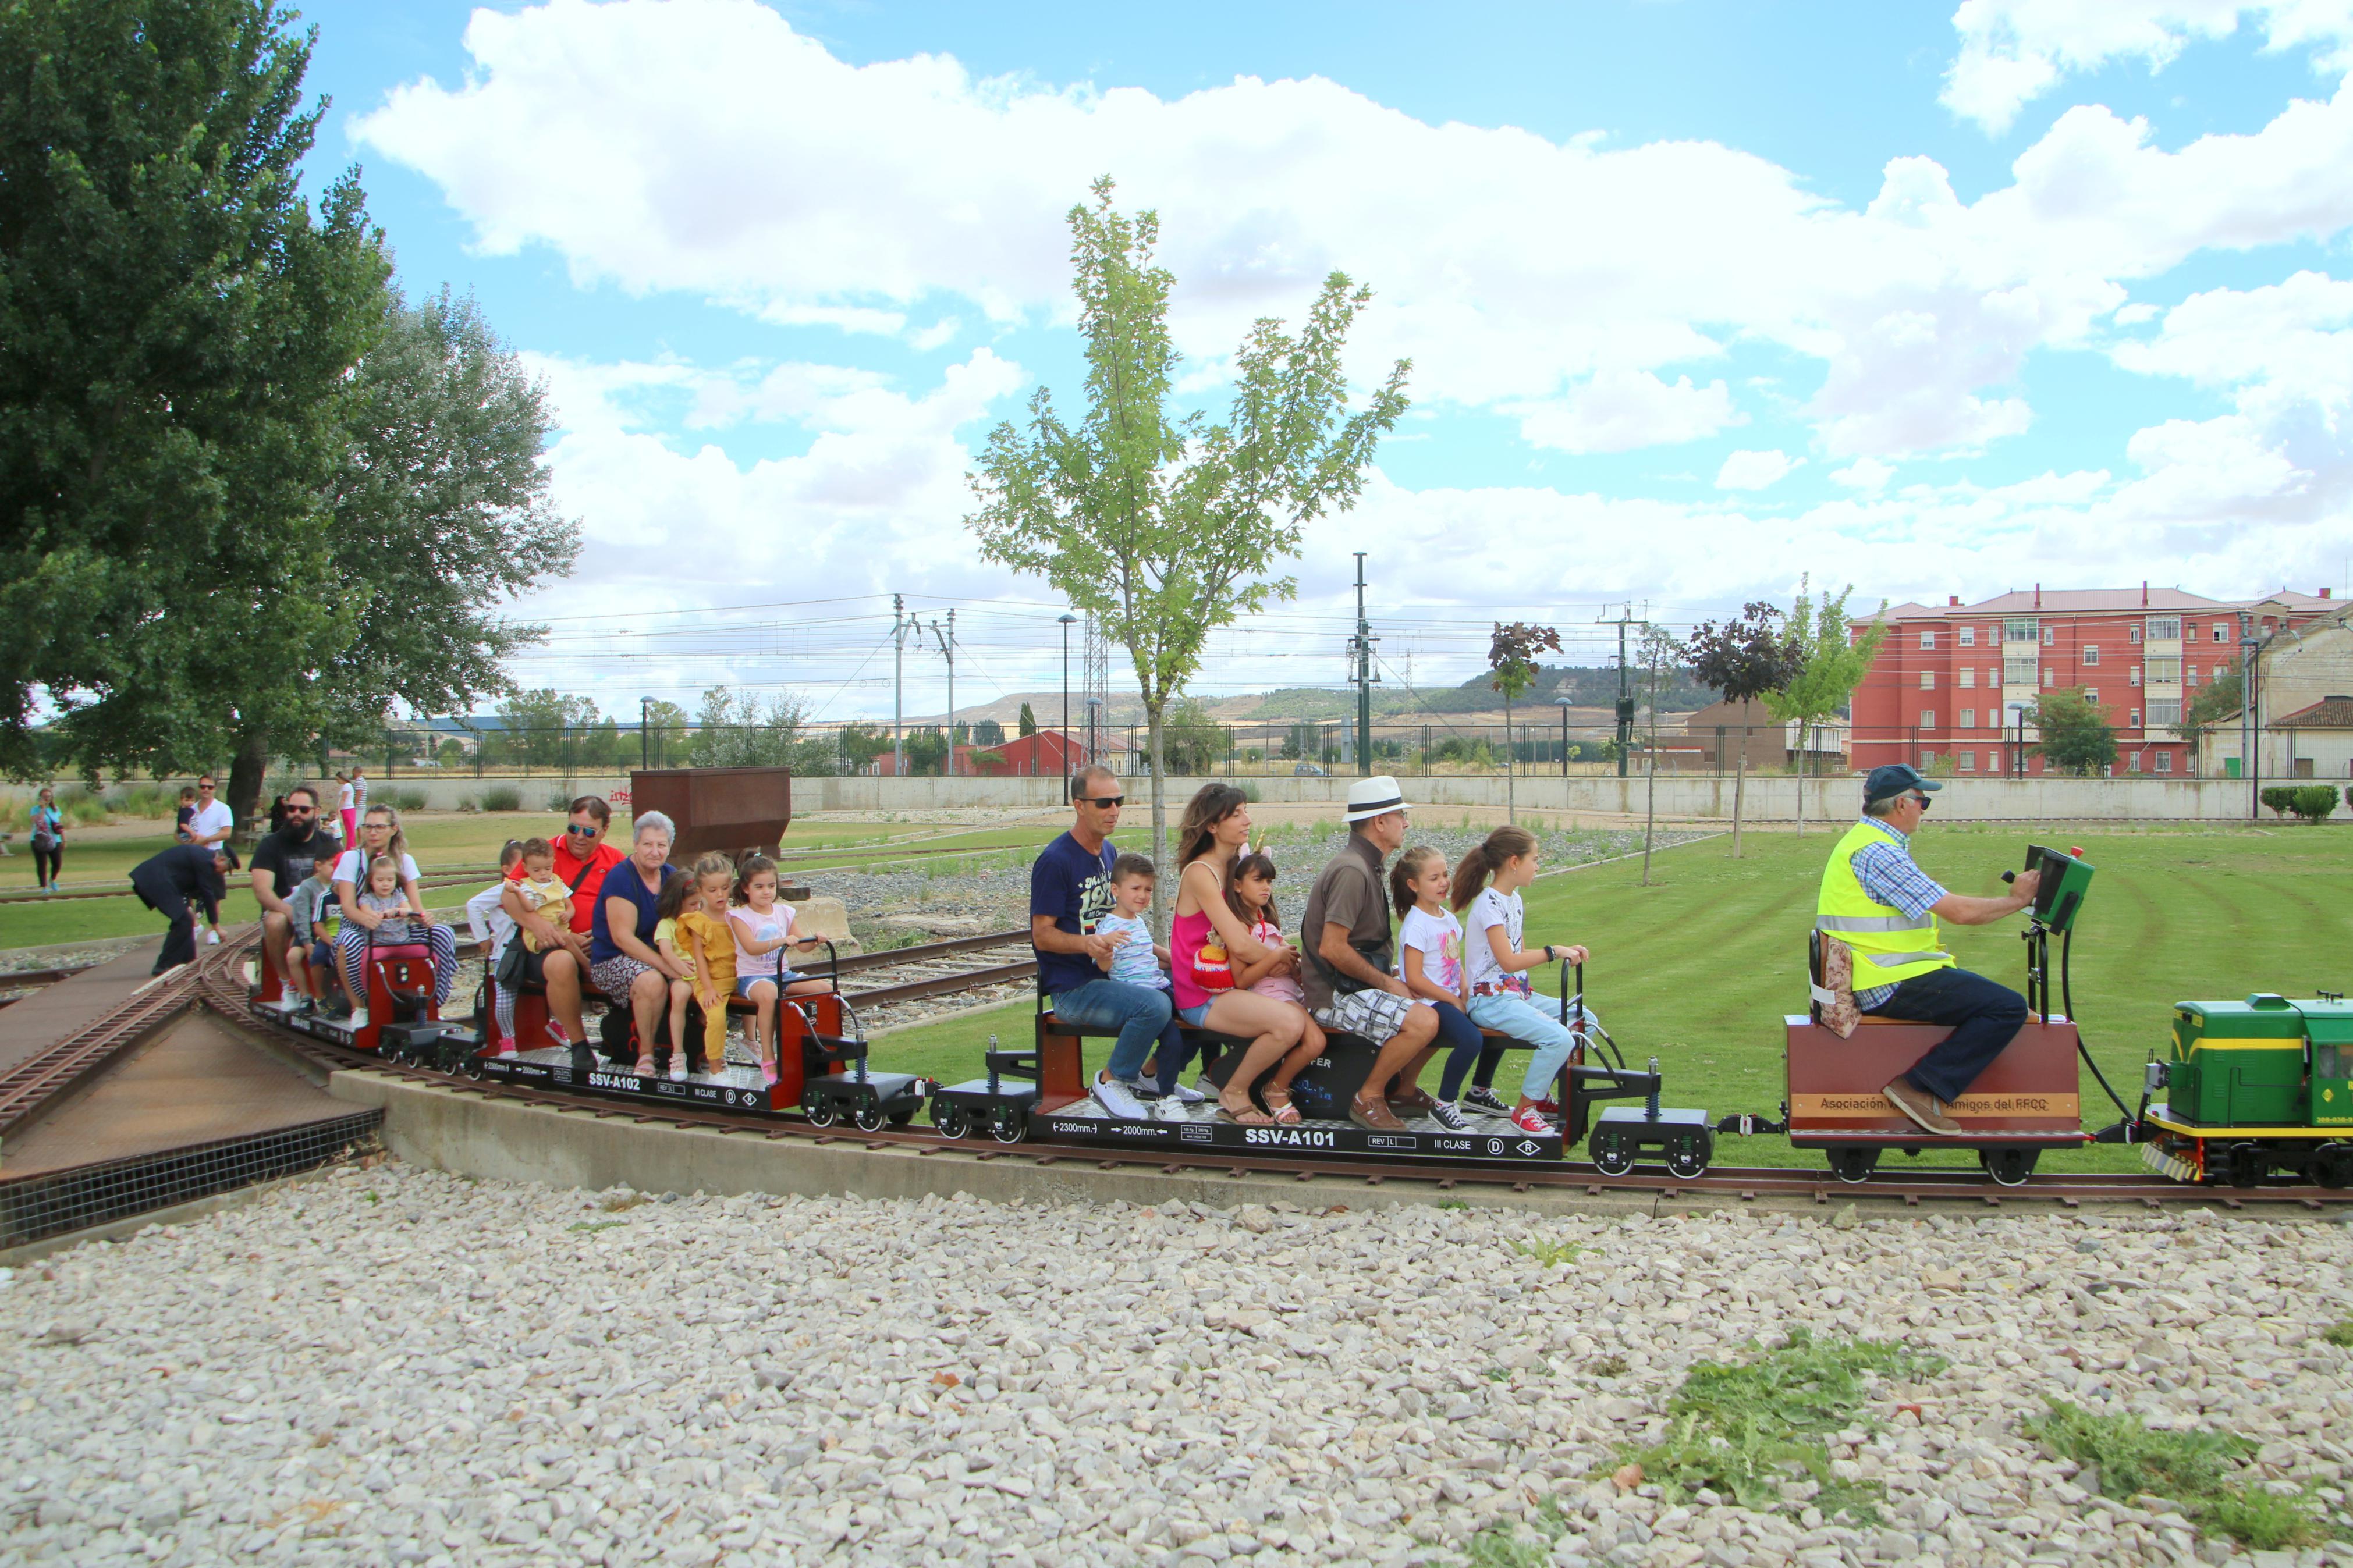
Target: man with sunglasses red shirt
column 582, row 859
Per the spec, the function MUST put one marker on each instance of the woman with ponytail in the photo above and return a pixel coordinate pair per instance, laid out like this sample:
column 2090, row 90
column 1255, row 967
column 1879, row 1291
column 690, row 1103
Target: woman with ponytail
column 1487, row 885
column 1216, row 827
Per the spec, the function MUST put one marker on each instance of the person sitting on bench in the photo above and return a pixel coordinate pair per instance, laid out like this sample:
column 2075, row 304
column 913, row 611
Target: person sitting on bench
column 1881, row 910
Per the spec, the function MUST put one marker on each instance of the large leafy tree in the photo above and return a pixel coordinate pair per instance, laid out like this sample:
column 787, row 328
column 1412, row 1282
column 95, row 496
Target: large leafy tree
column 1165, row 524
column 176, row 323
column 2076, row 735
column 1742, row 658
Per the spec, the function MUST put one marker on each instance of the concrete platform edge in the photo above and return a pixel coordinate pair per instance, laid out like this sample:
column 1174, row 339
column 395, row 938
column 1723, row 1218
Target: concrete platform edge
column 467, row 1133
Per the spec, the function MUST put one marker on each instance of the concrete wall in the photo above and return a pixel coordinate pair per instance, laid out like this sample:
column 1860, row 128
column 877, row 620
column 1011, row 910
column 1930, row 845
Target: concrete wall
column 2040, row 798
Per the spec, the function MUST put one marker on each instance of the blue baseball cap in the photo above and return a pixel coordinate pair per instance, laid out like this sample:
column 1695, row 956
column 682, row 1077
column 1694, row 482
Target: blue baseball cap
column 1890, row 779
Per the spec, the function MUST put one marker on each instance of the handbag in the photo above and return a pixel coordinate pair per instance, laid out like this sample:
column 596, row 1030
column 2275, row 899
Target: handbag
column 1213, row 970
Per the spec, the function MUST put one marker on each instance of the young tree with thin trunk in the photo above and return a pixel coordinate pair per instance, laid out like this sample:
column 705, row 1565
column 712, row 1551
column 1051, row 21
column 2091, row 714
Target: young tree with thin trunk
column 1512, row 658
column 1828, row 662
column 1742, row 659
column 1162, row 524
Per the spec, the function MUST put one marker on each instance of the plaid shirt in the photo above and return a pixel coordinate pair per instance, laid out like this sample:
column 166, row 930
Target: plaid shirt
column 1889, row 876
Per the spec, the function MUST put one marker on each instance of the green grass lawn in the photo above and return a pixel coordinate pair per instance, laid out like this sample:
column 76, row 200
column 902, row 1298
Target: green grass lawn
column 456, row 840
column 1700, row 967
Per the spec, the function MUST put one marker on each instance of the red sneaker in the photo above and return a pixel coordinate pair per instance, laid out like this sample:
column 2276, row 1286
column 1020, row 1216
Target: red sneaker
column 1528, row 1119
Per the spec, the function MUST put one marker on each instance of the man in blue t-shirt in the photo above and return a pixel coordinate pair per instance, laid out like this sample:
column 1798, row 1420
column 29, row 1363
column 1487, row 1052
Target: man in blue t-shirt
column 1069, row 890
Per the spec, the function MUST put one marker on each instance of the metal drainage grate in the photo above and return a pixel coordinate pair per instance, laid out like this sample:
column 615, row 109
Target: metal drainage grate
column 41, row 1206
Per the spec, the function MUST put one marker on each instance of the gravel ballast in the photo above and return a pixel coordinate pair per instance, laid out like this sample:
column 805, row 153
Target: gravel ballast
column 394, row 1366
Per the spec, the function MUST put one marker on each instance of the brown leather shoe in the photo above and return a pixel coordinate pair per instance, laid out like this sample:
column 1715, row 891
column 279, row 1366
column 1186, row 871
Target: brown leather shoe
column 1922, row 1107
column 1371, row 1113
column 1414, row 1102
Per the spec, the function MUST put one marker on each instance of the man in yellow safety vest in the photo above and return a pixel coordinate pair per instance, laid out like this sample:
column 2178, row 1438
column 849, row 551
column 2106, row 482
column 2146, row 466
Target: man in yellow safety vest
column 1885, row 909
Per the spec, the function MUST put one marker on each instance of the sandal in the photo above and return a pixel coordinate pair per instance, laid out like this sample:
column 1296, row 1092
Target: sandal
column 1278, row 1100
column 645, row 1066
column 1248, row 1116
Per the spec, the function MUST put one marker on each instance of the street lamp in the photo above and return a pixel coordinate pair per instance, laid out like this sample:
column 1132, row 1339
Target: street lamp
column 2018, row 752
column 1094, row 718
column 1562, row 702
column 1066, row 618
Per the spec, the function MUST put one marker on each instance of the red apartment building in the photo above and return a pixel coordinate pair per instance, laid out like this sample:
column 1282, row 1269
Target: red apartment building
column 1940, row 690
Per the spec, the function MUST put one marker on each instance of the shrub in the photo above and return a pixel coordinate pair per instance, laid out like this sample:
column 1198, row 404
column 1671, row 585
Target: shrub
column 468, row 803
column 2279, row 798
column 2314, row 801
column 503, row 797
column 142, row 800
column 560, row 802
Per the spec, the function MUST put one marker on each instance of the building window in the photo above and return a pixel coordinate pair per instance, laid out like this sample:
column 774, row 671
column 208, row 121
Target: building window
column 2165, row 628
column 1993, row 717
column 2091, row 653
column 2050, row 678
column 2134, row 722
column 2132, row 763
column 1928, row 638
column 2051, row 636
column 1927, row 718
column 2132, row 635
column 1965, row 761
column 2017, row 630
column 1993, row 762
column 1928, row 680
column 1969, row 636
column 2161, row 714
column 2189, row 675
column 2221, row 631
column 1968, row 719
column 2164, row 671
column 2091, row 695
column 2165, row 761
column 2017, row 672
column 1968, row 676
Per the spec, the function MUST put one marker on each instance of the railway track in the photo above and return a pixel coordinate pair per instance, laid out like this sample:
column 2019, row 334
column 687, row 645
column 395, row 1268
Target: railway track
column 221, row 987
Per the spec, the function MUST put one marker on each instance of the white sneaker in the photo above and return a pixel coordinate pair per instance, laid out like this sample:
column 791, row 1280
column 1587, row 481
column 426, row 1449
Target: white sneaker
column 677, row 1066
column 1118, row 1099
column 357, row 1020
column 1186, row 1094
column 1168, row 1108
column 287, row 1002
column 211, row 937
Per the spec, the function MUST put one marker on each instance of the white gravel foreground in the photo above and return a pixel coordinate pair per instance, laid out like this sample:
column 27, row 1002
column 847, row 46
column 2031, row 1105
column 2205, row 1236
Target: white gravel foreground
column 392, row 1366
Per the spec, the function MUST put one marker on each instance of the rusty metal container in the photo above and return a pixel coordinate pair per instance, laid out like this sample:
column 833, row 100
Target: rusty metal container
column 730, row 809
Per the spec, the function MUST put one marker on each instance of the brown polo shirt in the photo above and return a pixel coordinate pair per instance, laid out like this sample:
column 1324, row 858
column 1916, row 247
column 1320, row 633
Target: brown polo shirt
column 1347, row 892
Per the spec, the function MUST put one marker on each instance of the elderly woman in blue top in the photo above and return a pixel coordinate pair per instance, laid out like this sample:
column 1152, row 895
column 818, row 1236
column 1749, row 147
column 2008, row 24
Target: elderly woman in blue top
column 1885, row 909
column 622, row 958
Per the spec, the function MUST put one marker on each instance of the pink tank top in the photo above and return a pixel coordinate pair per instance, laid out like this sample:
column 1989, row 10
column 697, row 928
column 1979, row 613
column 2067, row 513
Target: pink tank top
column 1185, row 935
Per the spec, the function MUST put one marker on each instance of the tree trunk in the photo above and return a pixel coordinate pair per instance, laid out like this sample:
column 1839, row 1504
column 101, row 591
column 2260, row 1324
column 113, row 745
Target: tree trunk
column 1650, row 803
column 1739, row 791
column 1152, row 712
column 1511, row 774
column 247, row 771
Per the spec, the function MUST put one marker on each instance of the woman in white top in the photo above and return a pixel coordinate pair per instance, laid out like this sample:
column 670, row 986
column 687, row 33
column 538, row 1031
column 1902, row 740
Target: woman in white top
column 380, row 835
column 1496, row 965
column 351, row 818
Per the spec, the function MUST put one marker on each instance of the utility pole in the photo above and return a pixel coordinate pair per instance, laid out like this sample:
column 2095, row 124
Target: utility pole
column 2250, row 732
column 898, row 687
column 1625, row 694
column 947, row 647
column 1364, row 651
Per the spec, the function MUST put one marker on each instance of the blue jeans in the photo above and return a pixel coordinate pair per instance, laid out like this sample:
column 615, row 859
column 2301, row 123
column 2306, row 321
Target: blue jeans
column 1462, row 1041
column 1985, row 1016
column 1142, row 1017
column 1547, row 1034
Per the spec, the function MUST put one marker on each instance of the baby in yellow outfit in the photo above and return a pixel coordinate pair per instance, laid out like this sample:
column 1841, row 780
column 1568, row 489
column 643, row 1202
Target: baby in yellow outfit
column 543, row 891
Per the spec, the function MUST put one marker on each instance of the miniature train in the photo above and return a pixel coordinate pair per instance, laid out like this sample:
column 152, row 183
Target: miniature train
column 2254, row 1088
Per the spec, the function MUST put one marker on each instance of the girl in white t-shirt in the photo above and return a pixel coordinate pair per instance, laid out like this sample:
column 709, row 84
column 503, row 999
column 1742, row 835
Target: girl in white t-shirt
column 1495, row 965
column 763, row 929
column 1430, row 962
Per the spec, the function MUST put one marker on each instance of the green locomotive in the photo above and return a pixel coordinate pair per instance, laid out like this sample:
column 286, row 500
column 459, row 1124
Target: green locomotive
column 2252, row 1087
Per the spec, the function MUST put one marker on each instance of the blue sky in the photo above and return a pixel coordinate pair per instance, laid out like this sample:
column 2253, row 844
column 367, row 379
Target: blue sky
column 1701, row 296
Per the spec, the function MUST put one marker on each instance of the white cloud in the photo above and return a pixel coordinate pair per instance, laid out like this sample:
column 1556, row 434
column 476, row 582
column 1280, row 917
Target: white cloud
column 2014, row 51
column 1616, row 411
column 1864, row 474
column 705, row 146
column 1755, row 470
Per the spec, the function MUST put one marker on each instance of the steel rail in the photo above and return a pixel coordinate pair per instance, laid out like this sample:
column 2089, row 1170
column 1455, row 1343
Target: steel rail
column 223, row 991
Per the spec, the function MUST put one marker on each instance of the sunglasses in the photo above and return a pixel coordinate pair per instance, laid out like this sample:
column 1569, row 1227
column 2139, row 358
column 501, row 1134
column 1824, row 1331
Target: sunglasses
column 576, row 831
column 299, row 810
column 1924, row 801
column 1103, row 802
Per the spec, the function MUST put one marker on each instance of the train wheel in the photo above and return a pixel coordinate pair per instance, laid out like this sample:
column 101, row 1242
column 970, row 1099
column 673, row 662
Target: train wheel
column 1852, row 1165
column 1612, row 1151
column 904, row 1114
column 472, row 1068
column 2009, row 1167
column 951, row 1120
column 871, row 1118
column 820, row 1110
column 1688, row 1155
column 2333, row 1166
column 1007, row 1124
